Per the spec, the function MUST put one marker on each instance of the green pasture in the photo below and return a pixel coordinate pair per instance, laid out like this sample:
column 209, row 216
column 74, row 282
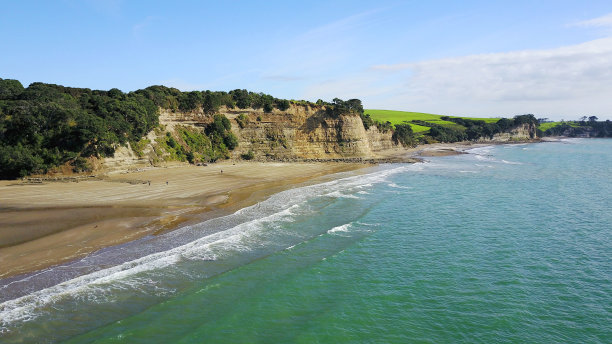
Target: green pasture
column 398, row 117
column 548, row 125
column 418, row 128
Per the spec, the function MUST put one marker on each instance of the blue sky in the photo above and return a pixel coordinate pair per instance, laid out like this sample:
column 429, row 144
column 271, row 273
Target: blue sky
column 480, row 58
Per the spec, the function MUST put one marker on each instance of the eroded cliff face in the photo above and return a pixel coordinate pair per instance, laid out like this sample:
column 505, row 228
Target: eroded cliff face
column 522, row 133
column 298, row 133
column 305, row 133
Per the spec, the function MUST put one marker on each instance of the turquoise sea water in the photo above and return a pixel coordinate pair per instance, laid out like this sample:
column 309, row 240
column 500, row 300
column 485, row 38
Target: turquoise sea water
column 508, row 244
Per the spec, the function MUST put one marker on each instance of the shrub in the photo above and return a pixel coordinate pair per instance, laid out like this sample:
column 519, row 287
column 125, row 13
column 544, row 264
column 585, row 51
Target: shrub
column 250, row 155
column 242, row 120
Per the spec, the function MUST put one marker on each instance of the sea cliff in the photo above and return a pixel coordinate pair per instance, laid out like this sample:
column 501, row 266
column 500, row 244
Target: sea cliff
column 299, row 133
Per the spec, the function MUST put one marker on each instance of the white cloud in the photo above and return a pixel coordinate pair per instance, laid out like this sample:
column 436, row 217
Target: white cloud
column 567, row 81
column 603, row 21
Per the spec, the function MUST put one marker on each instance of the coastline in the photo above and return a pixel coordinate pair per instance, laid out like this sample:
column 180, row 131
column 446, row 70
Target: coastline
column 42, row 225
column 50, row 223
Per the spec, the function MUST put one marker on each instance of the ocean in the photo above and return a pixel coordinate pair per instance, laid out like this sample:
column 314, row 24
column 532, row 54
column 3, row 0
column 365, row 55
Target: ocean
column 506, row 244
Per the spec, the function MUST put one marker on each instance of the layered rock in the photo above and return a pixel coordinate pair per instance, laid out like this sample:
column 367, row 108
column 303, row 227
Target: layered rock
column 298, row 133
column 522, row 133
column 306, row 133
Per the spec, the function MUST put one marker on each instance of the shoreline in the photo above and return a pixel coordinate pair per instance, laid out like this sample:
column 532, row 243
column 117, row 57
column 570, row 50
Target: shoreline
column 49, row 223
column 43, row 225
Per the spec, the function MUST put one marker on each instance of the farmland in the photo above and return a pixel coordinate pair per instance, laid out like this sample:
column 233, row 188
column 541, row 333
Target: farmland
column 398, row 117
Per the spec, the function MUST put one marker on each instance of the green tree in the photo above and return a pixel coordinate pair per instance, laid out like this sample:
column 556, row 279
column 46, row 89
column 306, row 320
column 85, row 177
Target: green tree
column 403, row 134
column 10, row 89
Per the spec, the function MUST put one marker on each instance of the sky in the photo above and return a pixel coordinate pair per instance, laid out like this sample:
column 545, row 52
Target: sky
column 470, row 58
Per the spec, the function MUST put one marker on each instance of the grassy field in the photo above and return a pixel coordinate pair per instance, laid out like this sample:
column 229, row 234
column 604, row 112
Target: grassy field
column 546, row 126
column 397, row 117
column 418, row 128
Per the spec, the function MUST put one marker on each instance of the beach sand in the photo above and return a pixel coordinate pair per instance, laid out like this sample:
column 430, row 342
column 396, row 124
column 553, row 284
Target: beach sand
column 46, row 224
column 54, row 222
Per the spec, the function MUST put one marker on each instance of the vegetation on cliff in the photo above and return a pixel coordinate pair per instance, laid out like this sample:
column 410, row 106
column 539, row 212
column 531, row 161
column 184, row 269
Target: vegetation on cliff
column 44, row 126
column 193, row 144
column 211, row 101
column 430, row 128
column 585, row 127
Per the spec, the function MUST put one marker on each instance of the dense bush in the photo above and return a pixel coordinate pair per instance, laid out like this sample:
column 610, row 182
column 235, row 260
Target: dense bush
column 367, row 121
column 339, row 107
column 578, row 128
column 250, row 155
column 475, row 129
column 441, row 133
column 45, row 125
column 403, row 134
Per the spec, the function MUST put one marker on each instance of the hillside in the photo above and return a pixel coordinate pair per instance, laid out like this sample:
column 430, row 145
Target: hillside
column 52, row 129
column 398, row 117
column 431, row 128
column 582, row 128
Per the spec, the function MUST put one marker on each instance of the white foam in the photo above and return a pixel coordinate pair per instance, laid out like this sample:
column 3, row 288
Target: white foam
column 22, row 308
column 571, row 140
column 395, row 186
column 511, row 162
column 282, row 207
column 338, row 194
column 343, row 228
column 482, row 158
column 480, row 150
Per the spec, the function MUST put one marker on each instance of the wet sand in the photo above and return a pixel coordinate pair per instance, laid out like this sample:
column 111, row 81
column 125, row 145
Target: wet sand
column 54, row 222
column 46, row 224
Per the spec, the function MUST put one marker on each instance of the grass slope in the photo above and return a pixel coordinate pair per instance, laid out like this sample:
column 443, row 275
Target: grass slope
column 397, row 117
column 548, row 125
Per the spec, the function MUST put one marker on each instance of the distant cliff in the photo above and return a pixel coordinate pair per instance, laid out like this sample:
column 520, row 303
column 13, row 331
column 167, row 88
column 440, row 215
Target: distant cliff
column 300, row 132
column 591, row 128
column 521, row 133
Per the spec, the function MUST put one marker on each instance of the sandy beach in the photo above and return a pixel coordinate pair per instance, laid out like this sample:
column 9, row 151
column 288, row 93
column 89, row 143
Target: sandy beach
column 48, row 223
column 53, row 222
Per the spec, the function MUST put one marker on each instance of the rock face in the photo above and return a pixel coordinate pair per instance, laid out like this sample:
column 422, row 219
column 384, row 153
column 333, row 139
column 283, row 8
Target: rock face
column 521, row 133
column 305, row 133
column 584, row 132
column 298, row 133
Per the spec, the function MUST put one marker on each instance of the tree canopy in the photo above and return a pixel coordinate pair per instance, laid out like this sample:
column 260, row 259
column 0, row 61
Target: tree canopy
column 46, row 125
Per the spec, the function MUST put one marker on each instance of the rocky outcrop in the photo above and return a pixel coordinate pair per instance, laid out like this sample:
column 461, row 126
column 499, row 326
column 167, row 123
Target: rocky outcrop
column 521, row 133
column 300, row 133
column 583, row 132
column 305, row 133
